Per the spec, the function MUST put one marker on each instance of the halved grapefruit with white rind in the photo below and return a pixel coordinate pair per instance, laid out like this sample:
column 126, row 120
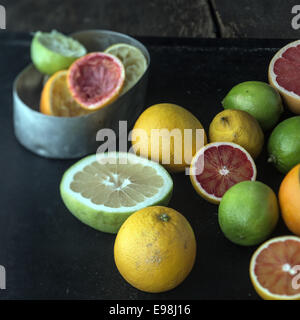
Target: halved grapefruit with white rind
column 284, row 74
column 275, row 269
column 218, row 166
column 103, row 190
column 96, row 80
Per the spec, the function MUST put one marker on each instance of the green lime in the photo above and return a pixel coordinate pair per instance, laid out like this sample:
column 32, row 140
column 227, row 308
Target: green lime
column 284, row 144
column 248, row 213
column 53, row 51
column 257, row 98
column 103, row 190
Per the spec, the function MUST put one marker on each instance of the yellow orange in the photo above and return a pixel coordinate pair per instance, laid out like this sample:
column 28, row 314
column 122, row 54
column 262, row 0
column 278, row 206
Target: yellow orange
column 174, row 124
column 155, row 249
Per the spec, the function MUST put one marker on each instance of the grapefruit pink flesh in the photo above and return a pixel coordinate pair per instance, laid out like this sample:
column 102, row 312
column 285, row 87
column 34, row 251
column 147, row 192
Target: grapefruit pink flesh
column 96, row 79
column 287, row 69
column 274, row 267
column 224, row 166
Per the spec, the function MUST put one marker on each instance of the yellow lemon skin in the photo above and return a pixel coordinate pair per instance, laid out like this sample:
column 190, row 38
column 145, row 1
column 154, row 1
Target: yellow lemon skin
column 239, row 127
column 176, row 123
column 155, row 249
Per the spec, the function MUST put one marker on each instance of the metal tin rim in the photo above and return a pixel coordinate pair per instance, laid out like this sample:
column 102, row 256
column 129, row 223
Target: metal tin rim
column 73, row 137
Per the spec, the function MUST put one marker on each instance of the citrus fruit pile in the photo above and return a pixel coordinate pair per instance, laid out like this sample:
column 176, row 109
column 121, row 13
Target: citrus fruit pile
column 78, row 83
column 128, row 193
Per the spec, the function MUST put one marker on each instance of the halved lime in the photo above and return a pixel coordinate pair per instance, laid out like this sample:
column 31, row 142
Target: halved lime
column 53, row 51
column 134, row 62
column 103, row 190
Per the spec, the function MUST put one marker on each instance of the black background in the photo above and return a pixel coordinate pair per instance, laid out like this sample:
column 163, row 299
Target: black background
column 48, row 254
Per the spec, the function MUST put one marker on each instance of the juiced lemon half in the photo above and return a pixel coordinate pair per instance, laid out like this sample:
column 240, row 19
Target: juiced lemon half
column 134, row 62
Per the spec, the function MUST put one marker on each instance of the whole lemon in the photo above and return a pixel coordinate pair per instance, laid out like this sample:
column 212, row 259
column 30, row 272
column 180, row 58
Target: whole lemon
column 238, row 127
column 155, row 249
column 169, row 134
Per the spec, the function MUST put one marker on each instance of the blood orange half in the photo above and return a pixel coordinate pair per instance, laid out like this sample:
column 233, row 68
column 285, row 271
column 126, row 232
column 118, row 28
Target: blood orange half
column 96, row 80
column 275, row 269
column 218, row 166
column 284, row 74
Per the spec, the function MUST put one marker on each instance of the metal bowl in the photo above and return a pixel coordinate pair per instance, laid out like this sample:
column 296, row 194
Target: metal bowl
column 64, row 137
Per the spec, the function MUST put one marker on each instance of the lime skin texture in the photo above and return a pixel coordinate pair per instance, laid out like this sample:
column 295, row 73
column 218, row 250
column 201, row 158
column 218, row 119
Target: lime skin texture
column 248, row 213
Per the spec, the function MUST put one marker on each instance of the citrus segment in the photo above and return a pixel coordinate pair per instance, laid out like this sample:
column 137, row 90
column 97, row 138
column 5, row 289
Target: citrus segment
column 56, row 99
column 96, row 80
column 103, row 190
column 218, row 166
column 53, row 51
column 283, row 74
column 274, row 267
column 134, row 62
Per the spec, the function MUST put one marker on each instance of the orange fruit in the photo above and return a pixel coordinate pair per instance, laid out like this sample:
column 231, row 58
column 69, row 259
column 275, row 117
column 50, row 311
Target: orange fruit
column 284, row 70
column 275, row 269
column 217, row 167
column 96, row 80
column 56, row 99
column 289, row 200
column 155, row 249
column 180, row 135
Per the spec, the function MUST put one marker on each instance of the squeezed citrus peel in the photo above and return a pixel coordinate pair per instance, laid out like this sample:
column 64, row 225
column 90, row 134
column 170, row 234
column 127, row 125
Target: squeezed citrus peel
column 96, row 80
column 56, row 99
column 134, row 62
column 61, row 44
column 53, row 51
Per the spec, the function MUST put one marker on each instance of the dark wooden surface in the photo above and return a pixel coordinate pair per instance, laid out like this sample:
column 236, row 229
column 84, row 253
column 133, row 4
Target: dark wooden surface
column 170, row 18
column 150, row 18
column 255, row 18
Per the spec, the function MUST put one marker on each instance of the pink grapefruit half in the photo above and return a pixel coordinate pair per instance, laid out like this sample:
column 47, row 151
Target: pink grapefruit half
column 275, row 269
column 96, row 80
column 284, row 74
column 218, row 166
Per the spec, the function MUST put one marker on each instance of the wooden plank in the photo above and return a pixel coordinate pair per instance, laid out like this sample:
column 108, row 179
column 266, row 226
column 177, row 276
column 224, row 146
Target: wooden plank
column 175, row 18
column 255, row 18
